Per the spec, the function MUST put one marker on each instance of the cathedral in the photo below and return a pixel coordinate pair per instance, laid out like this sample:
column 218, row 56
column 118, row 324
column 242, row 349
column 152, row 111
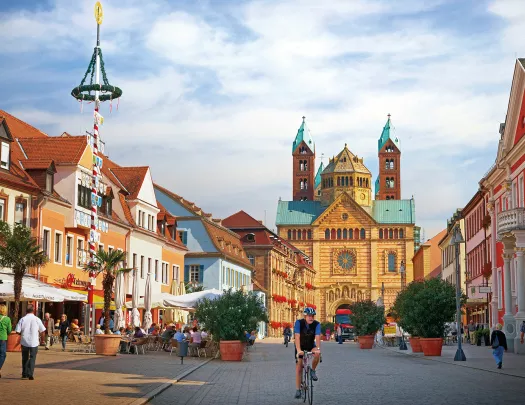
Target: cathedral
column 361, row 239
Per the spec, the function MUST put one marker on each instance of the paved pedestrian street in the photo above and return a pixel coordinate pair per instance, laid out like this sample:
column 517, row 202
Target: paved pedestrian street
column 349, row 375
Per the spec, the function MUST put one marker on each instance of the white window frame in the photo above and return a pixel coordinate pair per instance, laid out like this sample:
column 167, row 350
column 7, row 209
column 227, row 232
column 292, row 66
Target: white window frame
column 195, row 268
column 100, row 245
column 176, row 271
column 71, row 253
column 48, row 253
column 165, row 273
column 520, row 190
column 83, row 250
column 60, row 247
column 156, row 270
column 5, row 146
column 513, row 267
column 514, row 194
column 111, row 248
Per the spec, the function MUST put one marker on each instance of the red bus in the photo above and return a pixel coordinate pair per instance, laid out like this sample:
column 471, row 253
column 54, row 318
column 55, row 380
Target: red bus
column 342, row 317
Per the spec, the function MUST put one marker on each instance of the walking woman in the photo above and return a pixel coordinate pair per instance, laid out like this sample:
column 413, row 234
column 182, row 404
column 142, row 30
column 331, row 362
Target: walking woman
column 5, row 330
column 498, row 341
column 63, row 326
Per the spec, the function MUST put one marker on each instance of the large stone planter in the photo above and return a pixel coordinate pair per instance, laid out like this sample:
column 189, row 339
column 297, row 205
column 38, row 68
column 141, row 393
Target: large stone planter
column 366, row 342
column 431, row 346
column 13, row 343
column 415, row 344
column 232, row 350
column 107, row 345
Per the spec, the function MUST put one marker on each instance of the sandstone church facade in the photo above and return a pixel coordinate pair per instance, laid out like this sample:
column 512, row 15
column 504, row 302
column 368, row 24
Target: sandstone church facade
column 360, row 246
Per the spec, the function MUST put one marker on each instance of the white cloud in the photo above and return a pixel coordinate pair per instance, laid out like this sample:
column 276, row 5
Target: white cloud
column 336, row 63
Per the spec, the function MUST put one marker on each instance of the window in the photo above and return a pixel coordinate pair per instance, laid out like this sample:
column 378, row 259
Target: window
column 20, row 211
column 143, row 219
column 4, row 156
column 380, row 234
column 58, row 247
column 345, row 234
column 176, row 270
column 251, row 258
column 139, row 220
column 107, row 206
column 149, row 265
column 84, row 196
column 81, row 254
column 195, row 273
column 339, row 234
column 309, row 234
column 49, row 182
column 363, row 233
column 110, row 249
column 3, row 210
column 46, row 242
column 327, row 234
column 520, row 191
column 183, row 235
column 141, row 266
column 401, row 234
column 391, row 262
column 134, row 262
column 69, row 250
column 157, row 270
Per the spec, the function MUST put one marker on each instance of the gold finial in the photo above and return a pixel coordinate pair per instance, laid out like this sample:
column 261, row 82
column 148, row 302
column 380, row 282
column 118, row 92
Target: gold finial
column 99, row 14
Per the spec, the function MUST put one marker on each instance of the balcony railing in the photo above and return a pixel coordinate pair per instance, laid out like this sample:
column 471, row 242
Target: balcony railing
column 511, row 220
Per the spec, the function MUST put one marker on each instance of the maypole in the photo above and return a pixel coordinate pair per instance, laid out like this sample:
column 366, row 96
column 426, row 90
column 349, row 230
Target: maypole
column 102, row 92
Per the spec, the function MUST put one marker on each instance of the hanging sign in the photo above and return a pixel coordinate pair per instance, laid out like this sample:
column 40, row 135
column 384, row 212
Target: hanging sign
column 99, row 14
column 485, row 289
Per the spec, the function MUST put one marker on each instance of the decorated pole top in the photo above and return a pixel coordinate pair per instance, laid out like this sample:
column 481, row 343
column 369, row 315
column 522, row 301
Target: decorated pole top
column 95, row 91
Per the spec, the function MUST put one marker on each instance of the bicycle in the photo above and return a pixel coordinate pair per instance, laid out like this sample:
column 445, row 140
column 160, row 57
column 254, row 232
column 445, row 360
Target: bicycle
column 307, row 386
column 286, row 340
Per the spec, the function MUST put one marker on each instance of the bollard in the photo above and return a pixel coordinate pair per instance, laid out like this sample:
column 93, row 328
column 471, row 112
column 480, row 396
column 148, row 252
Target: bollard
column 183, row 350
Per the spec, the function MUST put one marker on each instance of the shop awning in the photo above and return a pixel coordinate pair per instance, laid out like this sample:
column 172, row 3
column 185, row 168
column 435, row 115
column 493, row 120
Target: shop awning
column 35, row 290
column 97, row 300
column 474, row 302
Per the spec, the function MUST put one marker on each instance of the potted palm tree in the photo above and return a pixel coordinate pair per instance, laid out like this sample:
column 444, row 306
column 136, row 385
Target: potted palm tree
column 19, row 251
column 228, row 317
column 367, row 319
column 107, row 263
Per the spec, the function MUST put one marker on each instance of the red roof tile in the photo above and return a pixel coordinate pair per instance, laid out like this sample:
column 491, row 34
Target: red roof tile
column 43, row 164
column 241, row 220
column 226, row 242
column 21, row 129
column 132, row 178
column 64, row 151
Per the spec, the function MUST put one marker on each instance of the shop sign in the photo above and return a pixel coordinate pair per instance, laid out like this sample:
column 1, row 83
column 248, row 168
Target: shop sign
column 83, row 219
column 72, row 281
column 485, row 289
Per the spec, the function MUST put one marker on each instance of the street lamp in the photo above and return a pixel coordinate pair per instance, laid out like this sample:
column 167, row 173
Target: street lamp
column 457, row 238
column 402, row 344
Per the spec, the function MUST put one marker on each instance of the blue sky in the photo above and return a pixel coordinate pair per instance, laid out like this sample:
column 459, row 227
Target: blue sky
column 214, row 91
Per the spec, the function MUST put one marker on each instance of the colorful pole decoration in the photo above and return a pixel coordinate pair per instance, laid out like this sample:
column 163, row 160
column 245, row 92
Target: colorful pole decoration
column 102, row 92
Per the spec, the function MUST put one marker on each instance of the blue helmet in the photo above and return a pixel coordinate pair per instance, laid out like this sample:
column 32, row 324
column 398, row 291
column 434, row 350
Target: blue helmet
column 309, row 311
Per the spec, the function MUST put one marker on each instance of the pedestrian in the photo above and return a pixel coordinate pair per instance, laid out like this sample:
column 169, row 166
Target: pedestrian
column 522, row 335
column 5, row 330
column 327, row 334
column 30, row 328
column 471, row 330
column 49, row 324
column 498, row 341
column 340, row 334
column 63, row 327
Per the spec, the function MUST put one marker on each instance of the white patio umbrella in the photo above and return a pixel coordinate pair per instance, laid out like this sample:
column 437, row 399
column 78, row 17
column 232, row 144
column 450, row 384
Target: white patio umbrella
column 183, row 315
column 148, row 320
column 135, row 314
column 190, row 300
column 42, row 294
column 118, row 320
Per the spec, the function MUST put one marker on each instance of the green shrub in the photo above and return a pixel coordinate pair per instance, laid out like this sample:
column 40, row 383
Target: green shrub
column 327, row 325
column 230, row 315
column 367, row 317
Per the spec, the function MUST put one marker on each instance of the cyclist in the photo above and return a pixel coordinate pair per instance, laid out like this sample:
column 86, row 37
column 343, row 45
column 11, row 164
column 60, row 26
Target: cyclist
column 287, row 334
column 307, row 337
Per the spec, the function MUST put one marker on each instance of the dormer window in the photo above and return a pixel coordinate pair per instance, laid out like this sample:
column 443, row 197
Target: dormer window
column 49, row 182
column 4, row 156
column 250, row 237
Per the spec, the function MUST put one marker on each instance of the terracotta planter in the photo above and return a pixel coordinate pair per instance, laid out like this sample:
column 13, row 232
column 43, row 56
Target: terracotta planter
column 232, row 350
column 107, row 345
column 366, row 342
column 13, row 343
column 415, row 344
column 431, row 346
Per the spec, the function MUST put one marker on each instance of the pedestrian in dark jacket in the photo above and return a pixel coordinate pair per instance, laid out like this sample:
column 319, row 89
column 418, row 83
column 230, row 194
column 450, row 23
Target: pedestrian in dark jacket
column 498, row 341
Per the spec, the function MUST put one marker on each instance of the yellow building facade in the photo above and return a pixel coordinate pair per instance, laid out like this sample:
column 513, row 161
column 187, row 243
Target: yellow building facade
column 361, row 248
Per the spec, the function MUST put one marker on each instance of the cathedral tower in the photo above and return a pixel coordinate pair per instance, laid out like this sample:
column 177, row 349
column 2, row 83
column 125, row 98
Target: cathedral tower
column 303, row 153
column 388, row 182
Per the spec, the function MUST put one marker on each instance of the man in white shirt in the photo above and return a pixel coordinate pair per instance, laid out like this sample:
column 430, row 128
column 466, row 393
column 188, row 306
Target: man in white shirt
column 30, row 328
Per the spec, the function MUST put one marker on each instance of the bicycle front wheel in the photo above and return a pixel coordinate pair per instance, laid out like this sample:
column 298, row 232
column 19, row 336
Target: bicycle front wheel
column 306, row 379
column 311, row 391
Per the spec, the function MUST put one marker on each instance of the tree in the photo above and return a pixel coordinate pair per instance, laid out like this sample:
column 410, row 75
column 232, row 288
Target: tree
column 192, row 287
column 367, row 317
column 19, row 251
column 108, row 264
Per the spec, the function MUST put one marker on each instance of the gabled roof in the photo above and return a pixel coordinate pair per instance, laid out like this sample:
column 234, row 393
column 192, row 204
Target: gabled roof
column 386, row 135
column 317, row 180
column 63, row 151
column 190, row 206
column 297, row 212
column 21, row 129
column 132, row 178
column 303, row 134
column 346, row 162
column 241, row 220
column 394, row 211
column 43, row 164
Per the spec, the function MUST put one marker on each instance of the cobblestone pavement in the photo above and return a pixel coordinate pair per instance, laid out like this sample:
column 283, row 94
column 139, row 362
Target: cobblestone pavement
column 78, row 378
column 347, row 375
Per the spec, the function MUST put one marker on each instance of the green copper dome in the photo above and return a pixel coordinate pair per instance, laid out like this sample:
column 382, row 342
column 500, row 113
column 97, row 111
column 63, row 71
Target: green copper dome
column 318, row 175
column 303, row 134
